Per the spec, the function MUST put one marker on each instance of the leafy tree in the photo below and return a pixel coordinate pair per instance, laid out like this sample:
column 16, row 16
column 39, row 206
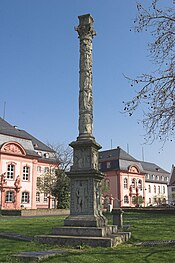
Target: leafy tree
column 156, row 90
column 61, row 189
column 138, row 200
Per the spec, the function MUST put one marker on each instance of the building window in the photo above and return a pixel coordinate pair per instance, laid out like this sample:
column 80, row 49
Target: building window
column 149, row 200
column 46, row 155
column 9, row 197
column 38, row 182
column 147, row 176
column 149, row 188
column 46, row 169
column 126, row 200
column 39, row 169
column 37, row 197
column 140, row 184
column 154, row 189
column 158, row 189
column 10, row 171
column 125, row 183
column 25, row 197
column 163, row 189
column 108, row 164
column 26, row 171
column 173, row 189
column 45, row 197
column 133, row 183
column 133, row 198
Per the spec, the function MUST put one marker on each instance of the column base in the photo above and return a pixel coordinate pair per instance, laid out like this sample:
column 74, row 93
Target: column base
column 85, row 221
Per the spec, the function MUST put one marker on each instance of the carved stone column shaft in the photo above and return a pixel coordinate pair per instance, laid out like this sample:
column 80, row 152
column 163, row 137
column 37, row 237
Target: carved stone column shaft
column 86, row 33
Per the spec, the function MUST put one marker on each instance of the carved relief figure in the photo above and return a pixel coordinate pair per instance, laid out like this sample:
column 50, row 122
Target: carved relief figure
column 82, row 158
column 85, row 123
column 81, row 195
column 97, row 191
column 95, row 160
column 12, row 148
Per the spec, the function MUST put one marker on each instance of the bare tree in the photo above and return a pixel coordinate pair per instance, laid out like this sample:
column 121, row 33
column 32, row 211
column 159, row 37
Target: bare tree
column 156, row 91
column 63, row 155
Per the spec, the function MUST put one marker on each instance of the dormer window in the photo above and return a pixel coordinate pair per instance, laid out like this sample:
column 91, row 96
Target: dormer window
column 108, row 165
column 46, row 155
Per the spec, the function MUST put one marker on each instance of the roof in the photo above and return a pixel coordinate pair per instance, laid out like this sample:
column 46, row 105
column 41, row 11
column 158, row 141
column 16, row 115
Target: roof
column 114, row 154
column 152, row 167
column 121, row 160
column 8, row 129
column 172, row 176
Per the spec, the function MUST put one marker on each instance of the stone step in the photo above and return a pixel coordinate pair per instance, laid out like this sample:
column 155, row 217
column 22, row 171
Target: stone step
column 85, row 231
column 111, row 241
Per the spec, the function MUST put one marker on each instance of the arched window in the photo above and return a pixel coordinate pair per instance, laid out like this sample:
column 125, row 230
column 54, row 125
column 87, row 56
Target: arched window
column 154, row 189
column 46, row 169
column 25, row 197
column 39, row 169
column 126, row 200
column 158, row 189
column 125, row 183
column 45, row 197
column 26, row 171
column 38, row 182
column 9, row 197
column 163, row 189
column 133, row 183
column 149, row 188
column 37, row 197
column 10, row 171
column 140, row 184
column 133, row 199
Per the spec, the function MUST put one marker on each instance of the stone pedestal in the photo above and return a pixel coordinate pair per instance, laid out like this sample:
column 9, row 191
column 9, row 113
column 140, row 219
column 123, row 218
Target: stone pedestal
column 85, row 201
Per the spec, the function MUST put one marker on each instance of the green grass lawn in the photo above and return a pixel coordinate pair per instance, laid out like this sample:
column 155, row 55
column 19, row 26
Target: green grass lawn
column 144, row 227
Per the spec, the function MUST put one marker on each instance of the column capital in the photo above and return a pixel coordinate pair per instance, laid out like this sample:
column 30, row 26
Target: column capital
column 85, row 28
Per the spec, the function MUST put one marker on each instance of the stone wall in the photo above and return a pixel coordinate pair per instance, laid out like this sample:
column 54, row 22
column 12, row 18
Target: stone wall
column 35, row 212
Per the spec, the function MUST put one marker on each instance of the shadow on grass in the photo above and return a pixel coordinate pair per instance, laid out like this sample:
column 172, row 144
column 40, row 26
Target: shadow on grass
column 119, row 255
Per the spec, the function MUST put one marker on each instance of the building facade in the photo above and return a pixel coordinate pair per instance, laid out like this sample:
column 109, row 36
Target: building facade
column 171, row 187
column 23, row 159
column 131, row 182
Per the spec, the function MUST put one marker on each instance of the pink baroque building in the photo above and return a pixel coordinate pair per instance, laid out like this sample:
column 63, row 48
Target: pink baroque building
column 127, row 178
column 23, row 159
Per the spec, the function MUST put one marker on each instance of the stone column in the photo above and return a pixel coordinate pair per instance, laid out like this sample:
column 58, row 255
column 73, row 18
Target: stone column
column 85, row 178
column 86, row 34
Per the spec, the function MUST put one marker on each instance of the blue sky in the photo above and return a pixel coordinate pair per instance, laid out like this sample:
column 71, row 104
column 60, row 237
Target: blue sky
column 39, row 65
